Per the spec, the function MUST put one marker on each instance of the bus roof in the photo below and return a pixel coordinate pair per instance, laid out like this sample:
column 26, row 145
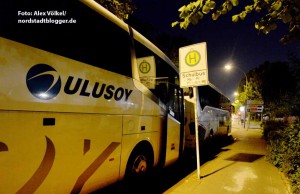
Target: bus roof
column 216, row 89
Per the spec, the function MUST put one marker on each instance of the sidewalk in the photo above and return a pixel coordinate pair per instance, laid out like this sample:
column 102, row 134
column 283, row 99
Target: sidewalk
column 240, row 168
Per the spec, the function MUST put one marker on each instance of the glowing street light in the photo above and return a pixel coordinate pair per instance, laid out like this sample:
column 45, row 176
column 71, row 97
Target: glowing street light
column 242, row 109
column 228, row 67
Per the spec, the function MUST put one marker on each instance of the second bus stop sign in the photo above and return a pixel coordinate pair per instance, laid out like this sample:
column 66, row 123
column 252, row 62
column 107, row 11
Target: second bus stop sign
column 193, row 65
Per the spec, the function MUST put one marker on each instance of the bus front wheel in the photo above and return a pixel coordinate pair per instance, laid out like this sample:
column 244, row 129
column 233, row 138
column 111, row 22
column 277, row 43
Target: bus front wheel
column 139, row 164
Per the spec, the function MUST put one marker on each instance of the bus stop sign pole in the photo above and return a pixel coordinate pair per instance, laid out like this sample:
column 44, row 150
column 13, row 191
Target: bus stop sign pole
column 195, row 91
column 193, row 72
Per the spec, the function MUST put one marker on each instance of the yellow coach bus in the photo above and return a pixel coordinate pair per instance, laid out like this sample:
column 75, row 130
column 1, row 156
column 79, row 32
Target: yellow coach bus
column 74, row 115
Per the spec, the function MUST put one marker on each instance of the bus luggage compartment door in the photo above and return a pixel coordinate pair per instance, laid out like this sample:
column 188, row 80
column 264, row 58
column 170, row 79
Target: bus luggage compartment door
column 58, row 152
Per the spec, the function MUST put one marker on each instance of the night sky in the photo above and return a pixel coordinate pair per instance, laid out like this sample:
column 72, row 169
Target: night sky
column 238, row 43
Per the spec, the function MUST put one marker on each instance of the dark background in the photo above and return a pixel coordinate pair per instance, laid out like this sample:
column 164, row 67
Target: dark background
column 238, row 43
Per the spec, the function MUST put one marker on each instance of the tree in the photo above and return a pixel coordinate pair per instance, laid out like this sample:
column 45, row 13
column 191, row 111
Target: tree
column 121, row 8
column 295, row 69
column 271, row 13
column 248, row 91
column 277, row 85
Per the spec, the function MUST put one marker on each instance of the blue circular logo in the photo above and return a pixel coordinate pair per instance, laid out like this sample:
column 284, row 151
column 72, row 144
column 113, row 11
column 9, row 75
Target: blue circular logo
column 43, row 81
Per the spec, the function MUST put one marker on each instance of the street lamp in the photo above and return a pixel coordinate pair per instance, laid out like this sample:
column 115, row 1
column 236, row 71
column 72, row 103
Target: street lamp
column 229, row 67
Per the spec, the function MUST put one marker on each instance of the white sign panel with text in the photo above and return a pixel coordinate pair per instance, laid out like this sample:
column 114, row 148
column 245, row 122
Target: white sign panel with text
column 193, row 65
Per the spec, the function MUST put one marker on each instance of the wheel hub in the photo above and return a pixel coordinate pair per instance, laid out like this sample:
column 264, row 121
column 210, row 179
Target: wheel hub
column 140, row 164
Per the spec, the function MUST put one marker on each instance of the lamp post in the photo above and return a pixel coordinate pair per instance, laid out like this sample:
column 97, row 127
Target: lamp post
column 229, row 67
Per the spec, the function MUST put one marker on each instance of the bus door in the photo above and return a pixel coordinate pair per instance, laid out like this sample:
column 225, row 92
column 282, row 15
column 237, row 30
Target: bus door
column 175, row 125
column 169, row 97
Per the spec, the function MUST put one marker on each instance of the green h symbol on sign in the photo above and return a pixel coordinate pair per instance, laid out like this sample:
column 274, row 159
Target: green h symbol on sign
column 144, row 67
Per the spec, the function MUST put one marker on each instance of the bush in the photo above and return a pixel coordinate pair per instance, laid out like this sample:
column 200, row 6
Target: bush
column 272, row 125
column 284, row 145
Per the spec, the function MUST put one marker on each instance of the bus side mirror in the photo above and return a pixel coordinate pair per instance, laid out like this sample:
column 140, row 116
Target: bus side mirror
column 188, row 92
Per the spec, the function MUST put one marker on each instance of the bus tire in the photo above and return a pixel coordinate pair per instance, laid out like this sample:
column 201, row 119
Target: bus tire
column 210, row 137
column 211, row 134
column 140, row 163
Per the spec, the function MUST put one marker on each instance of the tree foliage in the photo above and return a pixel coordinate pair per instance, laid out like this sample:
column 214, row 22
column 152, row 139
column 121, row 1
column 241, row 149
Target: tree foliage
column 121, row 8
column 283, row 141
column 248, row 91
column 271, row 13
column 277, row 84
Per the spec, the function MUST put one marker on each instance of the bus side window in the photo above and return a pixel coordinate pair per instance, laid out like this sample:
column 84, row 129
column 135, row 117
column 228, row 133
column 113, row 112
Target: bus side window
column 178, row 102
column 161, row 92
column 92, row 39
column 166, row 80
